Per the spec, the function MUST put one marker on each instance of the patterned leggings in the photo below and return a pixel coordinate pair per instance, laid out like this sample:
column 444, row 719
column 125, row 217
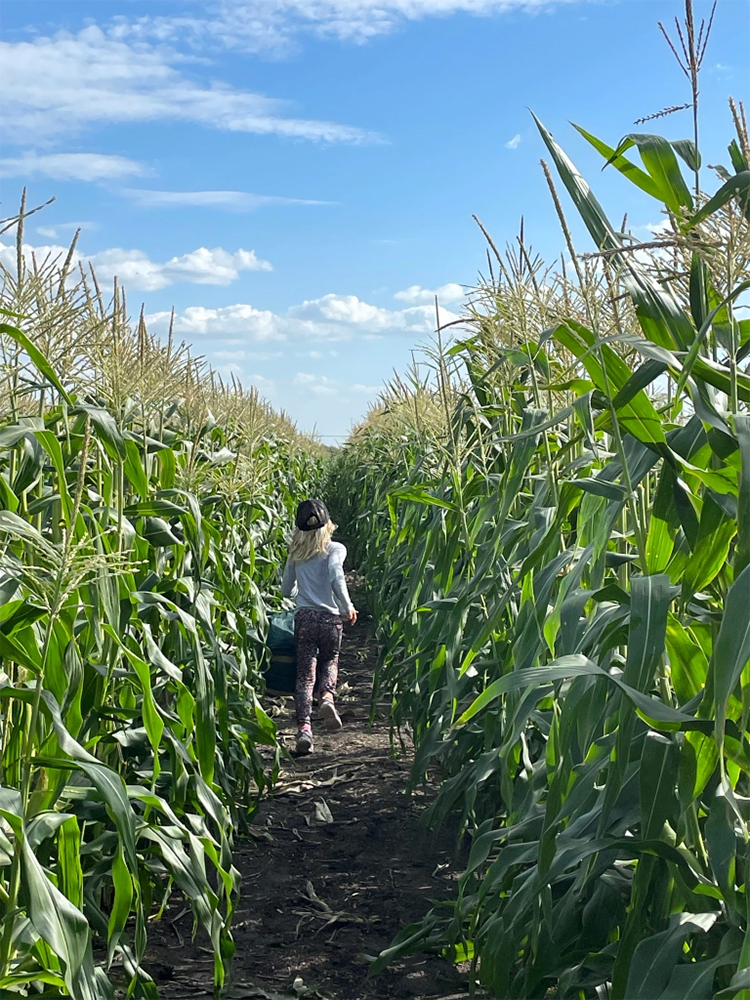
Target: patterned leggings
column 317, row 634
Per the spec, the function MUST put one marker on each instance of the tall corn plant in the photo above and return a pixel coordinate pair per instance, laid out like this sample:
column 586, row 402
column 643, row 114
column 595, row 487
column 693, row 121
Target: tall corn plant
column 142, row 513
column 563, row 594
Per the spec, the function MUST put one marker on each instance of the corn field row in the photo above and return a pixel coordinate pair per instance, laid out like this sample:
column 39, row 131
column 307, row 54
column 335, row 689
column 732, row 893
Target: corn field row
column 552, row 511
column 143, row 509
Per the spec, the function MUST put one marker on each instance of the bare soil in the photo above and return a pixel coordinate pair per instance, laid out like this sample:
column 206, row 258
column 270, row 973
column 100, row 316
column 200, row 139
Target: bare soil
column 337, row 865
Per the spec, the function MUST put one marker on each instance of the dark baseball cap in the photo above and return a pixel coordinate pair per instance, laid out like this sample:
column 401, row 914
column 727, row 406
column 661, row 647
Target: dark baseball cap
column 311, row 515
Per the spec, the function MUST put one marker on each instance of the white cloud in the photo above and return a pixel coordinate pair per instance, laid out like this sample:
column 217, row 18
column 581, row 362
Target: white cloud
column 200, row 267
column 53, row 233
column 273, row 25
column 71, row 166
column 319, row 384
column 239, row 201
column 137, row 271
column 237, row 356
column 445, row 293
column 322, row 385
column 662, row 228
column 329, row 318
column 256, row 325
column 266, row 386
column 58, row 86
column 515, row 142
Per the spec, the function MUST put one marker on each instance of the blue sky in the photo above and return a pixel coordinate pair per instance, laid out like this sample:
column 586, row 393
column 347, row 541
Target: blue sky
column 297, row 177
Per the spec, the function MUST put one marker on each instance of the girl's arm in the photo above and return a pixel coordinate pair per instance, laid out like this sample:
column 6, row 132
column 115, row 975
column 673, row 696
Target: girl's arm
column 338, row 580
column 289, row 580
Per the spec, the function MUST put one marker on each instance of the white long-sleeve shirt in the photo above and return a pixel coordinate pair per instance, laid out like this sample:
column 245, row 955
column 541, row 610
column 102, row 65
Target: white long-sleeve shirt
column 319, row 582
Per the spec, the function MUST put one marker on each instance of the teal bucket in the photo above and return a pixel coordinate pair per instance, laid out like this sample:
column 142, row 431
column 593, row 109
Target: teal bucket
column 280, row 673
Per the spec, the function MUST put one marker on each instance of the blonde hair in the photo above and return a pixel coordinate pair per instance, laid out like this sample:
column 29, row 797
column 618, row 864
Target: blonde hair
column 303, row 545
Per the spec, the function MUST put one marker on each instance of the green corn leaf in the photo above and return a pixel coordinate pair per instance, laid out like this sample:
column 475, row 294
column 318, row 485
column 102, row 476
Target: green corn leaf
column 655, row 713
column 134, row 469
column 688, row 663
column 698, row 761
column 628, row 169
column 656, row 957
column 420, row 495
column 722, row 845
column 158, row 506
column 612, row 377
column 61, row 925
column 106, row 429
column 739, row 161
column 662, row 319
column 8, row 498
column 37, row 976
column 742, row 550
column 736, row 187
column 158, row 532
column 36, row 356
column 118, row 917
column 685, row 148
column 167, row 467
column 695, row 980
column 715, row 374
column 152, row 719
column 600, row 487
column 732, row 650
column 659, row 540
column 699, row 290
column 44, row 825
column 647, row 373
column 658, row 775
column 109, row 784
column 692, row 362
column 651, row 597
column 13, row 433
column 21, row 648
column 51, row 445
column 708, row 558
column 661, row 163
column 69, row 861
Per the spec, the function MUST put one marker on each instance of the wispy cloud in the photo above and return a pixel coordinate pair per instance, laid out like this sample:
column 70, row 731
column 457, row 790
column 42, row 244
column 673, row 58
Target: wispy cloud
column 60, row 85
column 274, row 26
column 199, row 267
column 231, row 369
column 235, row 357
column 329, row 318
column 445, row 293
column 322, row 385
column 238, row 201
column 53, row 232
column 136, row 270
column 514, row 143
column 72, row 166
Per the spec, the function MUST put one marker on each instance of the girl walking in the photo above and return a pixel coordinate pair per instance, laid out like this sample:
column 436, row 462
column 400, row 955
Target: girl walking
column 314, row 574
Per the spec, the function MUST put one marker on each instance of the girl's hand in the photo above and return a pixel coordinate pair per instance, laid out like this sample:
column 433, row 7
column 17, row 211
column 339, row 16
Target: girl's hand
column 351, row 617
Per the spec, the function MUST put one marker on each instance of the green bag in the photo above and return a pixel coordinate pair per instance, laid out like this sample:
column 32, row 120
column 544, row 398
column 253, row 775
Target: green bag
column 281, row 632
column 281, row 672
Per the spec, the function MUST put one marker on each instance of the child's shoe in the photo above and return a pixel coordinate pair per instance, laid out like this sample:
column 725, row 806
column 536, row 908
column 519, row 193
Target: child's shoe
column 331, row 718
column 304, row 740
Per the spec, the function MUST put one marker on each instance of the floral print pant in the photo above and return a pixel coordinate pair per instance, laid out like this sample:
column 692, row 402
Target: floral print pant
column 317, row 634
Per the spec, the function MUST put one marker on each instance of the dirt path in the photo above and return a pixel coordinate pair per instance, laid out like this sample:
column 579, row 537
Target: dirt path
column 338, row 867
